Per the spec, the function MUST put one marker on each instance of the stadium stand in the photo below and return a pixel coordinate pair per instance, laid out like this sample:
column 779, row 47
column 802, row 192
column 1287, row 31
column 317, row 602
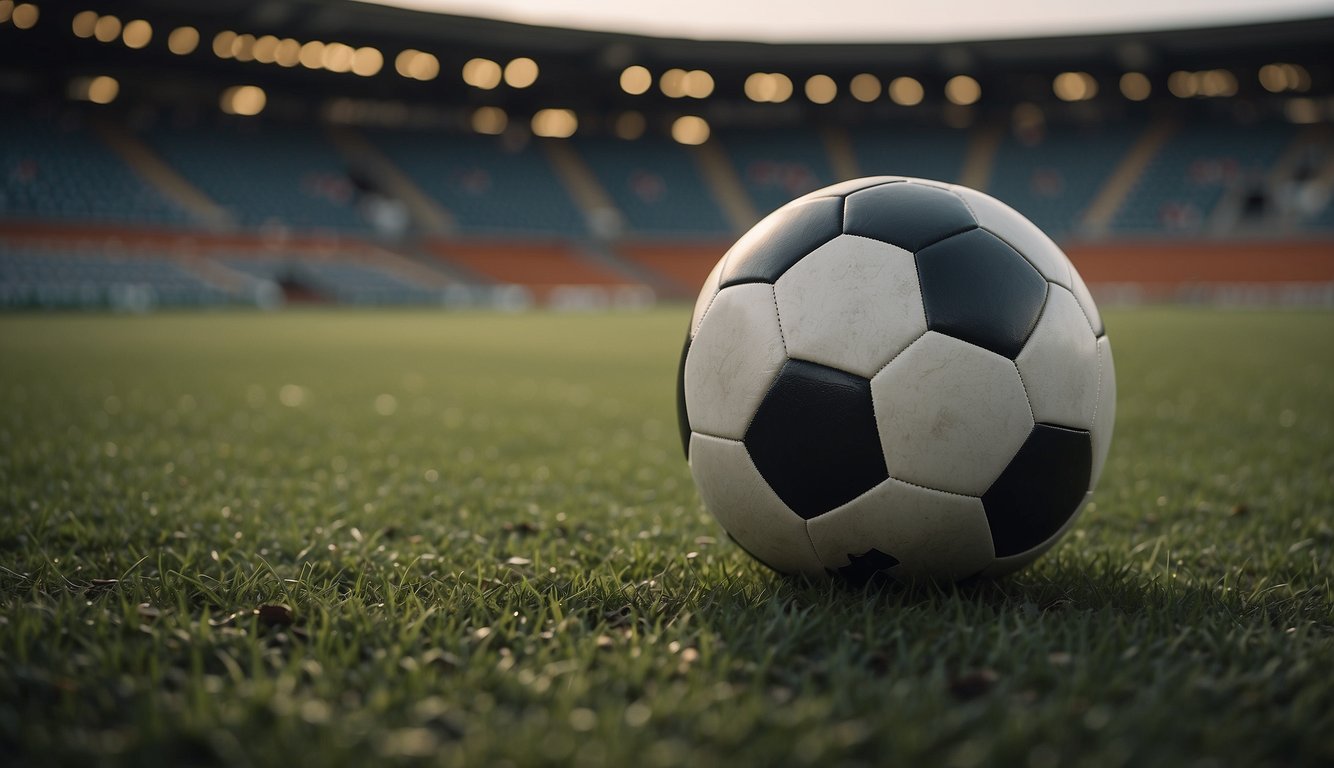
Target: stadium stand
column 910, row 150
column 656, row 186
column 65, row 277
column 1051, row 173
column 378, row 190
column 264, row 174
column 56, row 168
column 489, row 186
column 1184, row 183
column 778, row 165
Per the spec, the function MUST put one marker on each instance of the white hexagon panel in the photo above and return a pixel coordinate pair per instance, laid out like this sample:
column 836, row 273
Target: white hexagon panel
column 747, row 508
column 950, row 414
column 733, row 358
column 1104, row 418
column 906, row 531
column 852, row 304
column 1059, row 364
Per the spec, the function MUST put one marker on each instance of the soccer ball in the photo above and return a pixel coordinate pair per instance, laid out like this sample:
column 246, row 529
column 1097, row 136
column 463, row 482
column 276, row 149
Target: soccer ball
column 896, row 375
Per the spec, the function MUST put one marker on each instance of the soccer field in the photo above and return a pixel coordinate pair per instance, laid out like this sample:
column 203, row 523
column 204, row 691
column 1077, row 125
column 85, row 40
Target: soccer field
column 492, row 553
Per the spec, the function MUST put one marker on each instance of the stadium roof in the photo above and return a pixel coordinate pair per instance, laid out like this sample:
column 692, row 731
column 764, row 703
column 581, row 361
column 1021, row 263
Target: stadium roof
column 872, row 20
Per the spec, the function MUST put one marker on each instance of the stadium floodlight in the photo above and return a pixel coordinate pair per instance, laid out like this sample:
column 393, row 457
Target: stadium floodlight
column 1074, row 86
column 25, row 16
column 673, row 83
column 555, row 123
column 521, row 72
column 1136, row 86
column 481, row 73
column 222, row 43
column 821, row 89
column 962, row 90
column 906, row 91
column 865, row 87
column 698, row 84
column 636, row 80
column 137, row 34
column 102, row 89
column 106, row 29
column 83, row 25
column 183, row 40
column 690, row 129
column 245, row 100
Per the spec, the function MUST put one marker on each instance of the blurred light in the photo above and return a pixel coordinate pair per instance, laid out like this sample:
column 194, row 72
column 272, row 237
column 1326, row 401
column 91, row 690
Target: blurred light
column 417, row 65
column 266, row 49
column 906, row 91
column 7, row 11
column 1074, row 86
column 1302, row 111
column 636, row 80
column 243, row 48
column 821, row 89
column 698, row 84
column 521, row 73
column 690, row 129
column 243, row 100
column 629, row 126
column 1217, row 82
column 288, row 52
column 183, row 40
column 137, row 34
column 490, row 120
column 106, row 29
column 865, row 87
column 312, row 55
column 673, row 83
column 98, row 90
column 84, row 24
column 482, row 73
column 25, row 15
column 1273, row 78
column 1135, row 86
column 555, row 123
column 367, row 61
column 1277, row 78
column 760, row 87
column 337, row 57
column 962, row 90
column 222, row 44
column 1182, row 84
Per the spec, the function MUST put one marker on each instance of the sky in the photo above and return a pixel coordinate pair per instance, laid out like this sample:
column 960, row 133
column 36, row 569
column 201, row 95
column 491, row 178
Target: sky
column 874, row 20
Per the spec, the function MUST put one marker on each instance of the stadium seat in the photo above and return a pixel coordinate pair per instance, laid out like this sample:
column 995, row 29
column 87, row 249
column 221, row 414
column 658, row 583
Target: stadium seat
column 56, row 169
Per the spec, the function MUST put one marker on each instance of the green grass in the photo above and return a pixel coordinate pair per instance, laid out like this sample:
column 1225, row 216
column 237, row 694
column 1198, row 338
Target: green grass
column 493, row 554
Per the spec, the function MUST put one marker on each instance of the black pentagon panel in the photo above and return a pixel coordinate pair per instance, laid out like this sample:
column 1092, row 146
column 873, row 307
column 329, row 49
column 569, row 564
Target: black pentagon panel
column 866, row 566
column 978, row 289
column 814, row 438
column 764, row 253
column 1040, row 489
column 911, row 216
column 683, row 416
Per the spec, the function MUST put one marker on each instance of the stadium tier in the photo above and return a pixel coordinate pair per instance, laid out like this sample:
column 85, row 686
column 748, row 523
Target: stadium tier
column 608, row 167
column 486, row 185
column 264, row 175
column 935, row 152
column 656, row 185
column 58, row 169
